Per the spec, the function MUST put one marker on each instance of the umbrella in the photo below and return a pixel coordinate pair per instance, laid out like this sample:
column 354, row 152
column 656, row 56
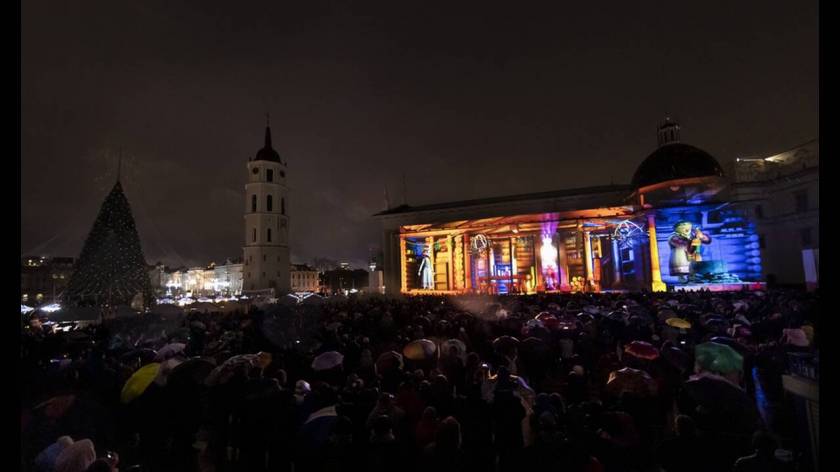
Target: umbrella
column 313, row 300
column 76, row 457
column 388, row 361
column 333, row 326
column 677, row 358
column 641, row 350
column 422, row 321
column 192, row 371
column 740, row 348
column 631, row 381
column 463, row 318
column 169, row 351
column 143, row 355
column 678, row 323
column 718, row 358
column 665, row 315
column 229, row 368
column 56, row 407
column 505, row 342
column 548, row 320
column 168, row 310
column 46, row 458
column 198, row 325
column 420, row 349
column 139, row 382
column 585, row 317
column 795, row 337
column 166, row 368
column 327, row 360
column 534, row 348
column 457, row 344
column 566, row 326
column 591, row 309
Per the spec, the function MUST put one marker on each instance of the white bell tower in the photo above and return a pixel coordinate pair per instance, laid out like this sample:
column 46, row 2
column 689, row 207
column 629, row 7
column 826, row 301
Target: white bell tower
column 266, row 251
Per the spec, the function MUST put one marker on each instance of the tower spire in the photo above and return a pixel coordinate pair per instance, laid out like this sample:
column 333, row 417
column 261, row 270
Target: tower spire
column 267, row 131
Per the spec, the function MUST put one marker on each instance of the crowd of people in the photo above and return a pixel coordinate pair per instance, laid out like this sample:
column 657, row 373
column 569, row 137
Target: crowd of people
column 578, row 382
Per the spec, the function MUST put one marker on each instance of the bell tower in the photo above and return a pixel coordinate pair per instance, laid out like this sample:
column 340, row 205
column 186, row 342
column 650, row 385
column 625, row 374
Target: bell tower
column 266, row 249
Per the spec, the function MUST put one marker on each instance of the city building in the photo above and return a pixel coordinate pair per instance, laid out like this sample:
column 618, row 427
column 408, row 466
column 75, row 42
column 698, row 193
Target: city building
column 783, row 191
column 266, row 249
column 43, row 279
column 304, row 279
column 680, row 224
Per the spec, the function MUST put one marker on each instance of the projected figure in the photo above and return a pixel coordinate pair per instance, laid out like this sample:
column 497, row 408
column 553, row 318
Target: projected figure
column 426, row 276
column 686, row 247
column 548, row 257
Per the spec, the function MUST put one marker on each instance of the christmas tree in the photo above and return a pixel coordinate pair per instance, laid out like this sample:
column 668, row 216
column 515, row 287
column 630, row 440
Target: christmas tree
column 111, row 269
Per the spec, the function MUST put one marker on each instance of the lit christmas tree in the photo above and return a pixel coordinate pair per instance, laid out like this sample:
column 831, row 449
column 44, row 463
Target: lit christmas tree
column 111, row 269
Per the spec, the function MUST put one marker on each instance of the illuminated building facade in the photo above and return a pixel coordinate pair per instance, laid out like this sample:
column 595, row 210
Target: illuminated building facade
column 680, row 224
column 304, row 279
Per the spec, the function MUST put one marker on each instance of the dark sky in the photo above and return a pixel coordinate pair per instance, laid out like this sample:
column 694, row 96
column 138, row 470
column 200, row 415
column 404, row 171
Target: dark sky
column 468, row 100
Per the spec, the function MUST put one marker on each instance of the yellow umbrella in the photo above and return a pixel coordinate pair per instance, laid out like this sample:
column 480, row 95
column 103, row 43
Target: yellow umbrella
column 139, row 382
column 678, row 323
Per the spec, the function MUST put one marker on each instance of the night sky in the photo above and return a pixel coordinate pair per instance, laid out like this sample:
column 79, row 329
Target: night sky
column 466, row 99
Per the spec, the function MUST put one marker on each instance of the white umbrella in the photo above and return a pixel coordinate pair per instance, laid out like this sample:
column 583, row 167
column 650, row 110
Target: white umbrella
column 327, row 360
column 169, row 351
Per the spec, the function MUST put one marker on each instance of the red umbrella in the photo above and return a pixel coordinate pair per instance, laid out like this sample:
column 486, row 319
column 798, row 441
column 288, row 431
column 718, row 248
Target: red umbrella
column 548, row 320
column 641, row 350
column 420, row 350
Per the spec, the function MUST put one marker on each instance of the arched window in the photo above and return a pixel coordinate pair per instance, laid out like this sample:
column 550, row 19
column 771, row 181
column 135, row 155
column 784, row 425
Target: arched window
column 282, row 206
column 269, row 235
column 253, row 203
column 269, row 203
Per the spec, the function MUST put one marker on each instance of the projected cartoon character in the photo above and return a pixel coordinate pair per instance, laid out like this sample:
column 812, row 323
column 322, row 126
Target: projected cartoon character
column 686, row 247
column 427, row 279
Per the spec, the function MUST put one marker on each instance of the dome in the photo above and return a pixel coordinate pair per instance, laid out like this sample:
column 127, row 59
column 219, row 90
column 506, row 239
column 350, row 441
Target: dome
column 267, row 154
column 675, row 161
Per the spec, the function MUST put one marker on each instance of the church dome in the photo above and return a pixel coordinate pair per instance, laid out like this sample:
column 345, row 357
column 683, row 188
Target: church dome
column 676, row 161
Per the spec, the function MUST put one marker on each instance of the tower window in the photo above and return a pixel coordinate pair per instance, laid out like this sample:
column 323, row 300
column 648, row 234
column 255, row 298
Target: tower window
column 269, row 203
column 269, row 235
column 254, row 235
column 269, row 175
column 263, row 257
column 253, row 203
column 282, row 206
column 759, row 211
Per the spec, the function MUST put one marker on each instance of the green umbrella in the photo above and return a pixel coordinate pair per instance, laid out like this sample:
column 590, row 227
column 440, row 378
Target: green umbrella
column 719, row 358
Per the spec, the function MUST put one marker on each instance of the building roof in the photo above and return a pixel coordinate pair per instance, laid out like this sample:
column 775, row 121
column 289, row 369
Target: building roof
column 403, row 209
column 302, row 268
column 674, row 161
column 267, row 153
